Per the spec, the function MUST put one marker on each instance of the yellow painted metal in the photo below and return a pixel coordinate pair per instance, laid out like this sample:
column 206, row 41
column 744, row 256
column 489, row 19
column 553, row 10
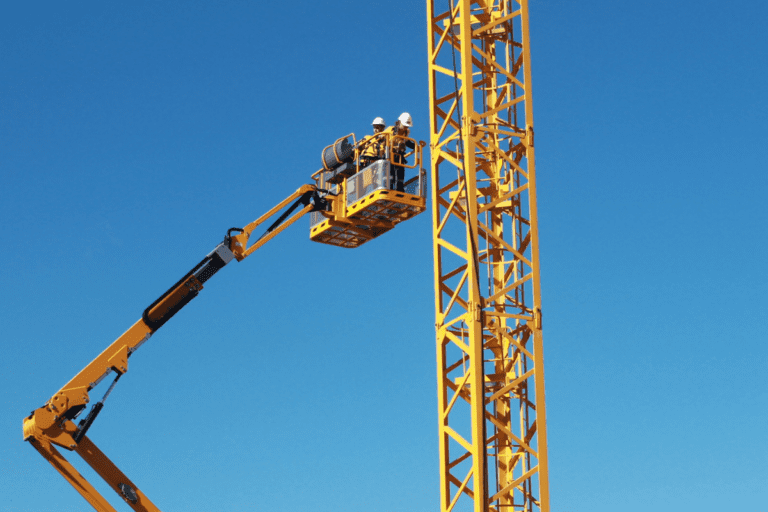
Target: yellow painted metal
column 46, row 422
column 49, row 425
column 52, row 423
column 368, row 218
column 71, row 475
column 491, row 402
column 113, row 476
column 239, row 244
column 363, row 204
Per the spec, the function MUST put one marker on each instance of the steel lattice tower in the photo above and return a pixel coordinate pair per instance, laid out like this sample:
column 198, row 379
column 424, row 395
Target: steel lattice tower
column 492, row 426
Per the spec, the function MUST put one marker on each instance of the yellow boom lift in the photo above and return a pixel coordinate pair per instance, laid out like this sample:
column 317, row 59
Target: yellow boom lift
column 354, row 199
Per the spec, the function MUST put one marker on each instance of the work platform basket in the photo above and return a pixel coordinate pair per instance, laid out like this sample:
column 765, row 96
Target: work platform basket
column 371, row 205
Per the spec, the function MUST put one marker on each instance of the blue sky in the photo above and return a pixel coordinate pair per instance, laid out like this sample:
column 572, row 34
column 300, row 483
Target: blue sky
column 132, row 137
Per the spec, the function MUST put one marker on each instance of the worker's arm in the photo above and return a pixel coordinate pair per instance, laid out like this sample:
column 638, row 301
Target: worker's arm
column 52, row 424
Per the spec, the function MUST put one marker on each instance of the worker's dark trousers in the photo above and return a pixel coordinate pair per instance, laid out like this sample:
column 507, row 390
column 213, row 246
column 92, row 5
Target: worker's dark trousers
column 397, row 174
column 396, row 177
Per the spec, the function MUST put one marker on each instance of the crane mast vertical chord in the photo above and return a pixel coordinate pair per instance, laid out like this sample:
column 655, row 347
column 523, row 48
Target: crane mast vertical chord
column 491, row 410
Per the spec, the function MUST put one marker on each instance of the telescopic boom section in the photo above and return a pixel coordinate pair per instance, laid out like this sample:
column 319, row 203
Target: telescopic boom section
column 53, row 424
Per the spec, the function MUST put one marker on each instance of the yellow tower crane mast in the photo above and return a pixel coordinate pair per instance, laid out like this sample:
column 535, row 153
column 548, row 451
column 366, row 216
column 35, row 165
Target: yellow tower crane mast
column 491, row 411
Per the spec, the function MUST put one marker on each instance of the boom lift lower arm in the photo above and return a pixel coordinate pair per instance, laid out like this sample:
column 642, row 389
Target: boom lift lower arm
column 53, row 423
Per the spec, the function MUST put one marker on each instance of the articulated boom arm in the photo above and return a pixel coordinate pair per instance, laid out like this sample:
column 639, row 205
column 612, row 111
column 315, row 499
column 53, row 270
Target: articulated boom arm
column 53, row 423
column 358, row 195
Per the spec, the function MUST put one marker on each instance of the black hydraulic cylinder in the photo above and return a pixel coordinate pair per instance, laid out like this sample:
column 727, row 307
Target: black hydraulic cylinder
column 86, row 423
column 180, row 294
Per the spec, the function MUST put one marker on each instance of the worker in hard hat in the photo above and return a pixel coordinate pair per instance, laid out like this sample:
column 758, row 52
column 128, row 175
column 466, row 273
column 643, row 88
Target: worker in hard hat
column 373, row 145
column 400, row 130
column 378, row 125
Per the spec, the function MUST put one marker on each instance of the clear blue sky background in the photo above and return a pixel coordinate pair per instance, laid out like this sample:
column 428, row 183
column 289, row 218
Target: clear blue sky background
column 133, row 136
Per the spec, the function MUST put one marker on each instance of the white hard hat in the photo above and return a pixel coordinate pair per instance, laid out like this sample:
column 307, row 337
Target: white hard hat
column 405, row 119
column 379, row 121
